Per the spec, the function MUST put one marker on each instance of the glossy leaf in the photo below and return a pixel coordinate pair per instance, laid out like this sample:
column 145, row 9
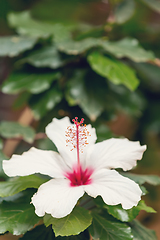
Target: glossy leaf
column 114, row 70
column 128, row 215
column 77, row 221
column 21, row 197
column 124, row 11
column 31, row 82
column 121, row 214
column 14, row 129
column 144, row 190
column 17, row 218
column 43, row 103
column 142, row 233
column 25, row 25
column 128, row 47
column 14, row 45
column 153, row 4
column 103, row 229
column 17, row 214
column 82, row 90
column 45, row 57
column 14, row 198
column 18, row 184
column 78, row 47
column 141, row 179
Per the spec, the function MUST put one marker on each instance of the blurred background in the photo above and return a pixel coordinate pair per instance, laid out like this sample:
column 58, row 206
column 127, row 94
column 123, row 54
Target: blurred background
column 53, row 56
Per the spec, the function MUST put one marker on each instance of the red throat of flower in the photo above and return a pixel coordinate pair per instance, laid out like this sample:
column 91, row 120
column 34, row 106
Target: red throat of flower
column 77, row 138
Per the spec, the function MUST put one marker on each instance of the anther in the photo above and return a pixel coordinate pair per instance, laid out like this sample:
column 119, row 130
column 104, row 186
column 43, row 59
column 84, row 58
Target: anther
column 77, row 135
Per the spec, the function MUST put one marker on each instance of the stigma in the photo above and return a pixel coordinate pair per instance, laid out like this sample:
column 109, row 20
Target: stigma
column 77, row 135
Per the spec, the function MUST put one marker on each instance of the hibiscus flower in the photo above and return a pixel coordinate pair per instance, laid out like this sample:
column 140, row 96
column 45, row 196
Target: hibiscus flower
column 80, row 166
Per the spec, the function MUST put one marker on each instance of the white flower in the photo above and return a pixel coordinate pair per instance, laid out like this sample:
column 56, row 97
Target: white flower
column 82, row 166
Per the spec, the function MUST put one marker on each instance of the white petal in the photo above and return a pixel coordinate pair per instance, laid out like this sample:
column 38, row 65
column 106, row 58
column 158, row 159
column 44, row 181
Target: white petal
column 56, row 131
column 56, row 197
column 115, row 153
column 35, row 161
column 114, row 188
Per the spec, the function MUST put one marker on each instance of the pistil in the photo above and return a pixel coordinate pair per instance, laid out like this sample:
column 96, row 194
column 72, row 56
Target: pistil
column 77, row 146
column 77, row 137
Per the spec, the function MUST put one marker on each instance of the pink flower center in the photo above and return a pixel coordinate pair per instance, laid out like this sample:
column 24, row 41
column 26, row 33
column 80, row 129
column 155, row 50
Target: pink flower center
column 76, row 179
column 77, row 137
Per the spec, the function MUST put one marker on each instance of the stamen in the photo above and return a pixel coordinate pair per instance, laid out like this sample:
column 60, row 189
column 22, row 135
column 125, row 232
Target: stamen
column 77, row 137
column 77, row 129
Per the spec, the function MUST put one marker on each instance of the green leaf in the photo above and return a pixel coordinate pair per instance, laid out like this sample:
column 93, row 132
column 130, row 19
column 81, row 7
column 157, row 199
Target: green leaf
column 31, row 82
column 14, row 129
column 124, row 11
column 128, row 215
column 77, row 221
column 25, row 25
column 17, row 218
column 114, row 70
column 108, row 230
column 14, row 45
column 43, row 103
column 135, row 104
column 140, row 232
column 128, row 47
column 21, row 197
column 103, row 133
column 43, row 233
column 61, row 33
column 144, row 207
column 18, row 184
column 141, row 179
column 144, row 190
column 18, row 211
column 149, row 74
column 46, row 57
column 2, row 157
column 21, row 100
column 13, row 198
column 83, row 90
column 46, row 144
column 78, row 47
column 153, row 4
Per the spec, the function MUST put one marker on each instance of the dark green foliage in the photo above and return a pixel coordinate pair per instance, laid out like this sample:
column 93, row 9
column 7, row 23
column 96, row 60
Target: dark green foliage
column 77, row 221
column 17, row 214
column 140, row 232
column 61, row 66
column 104, row 229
